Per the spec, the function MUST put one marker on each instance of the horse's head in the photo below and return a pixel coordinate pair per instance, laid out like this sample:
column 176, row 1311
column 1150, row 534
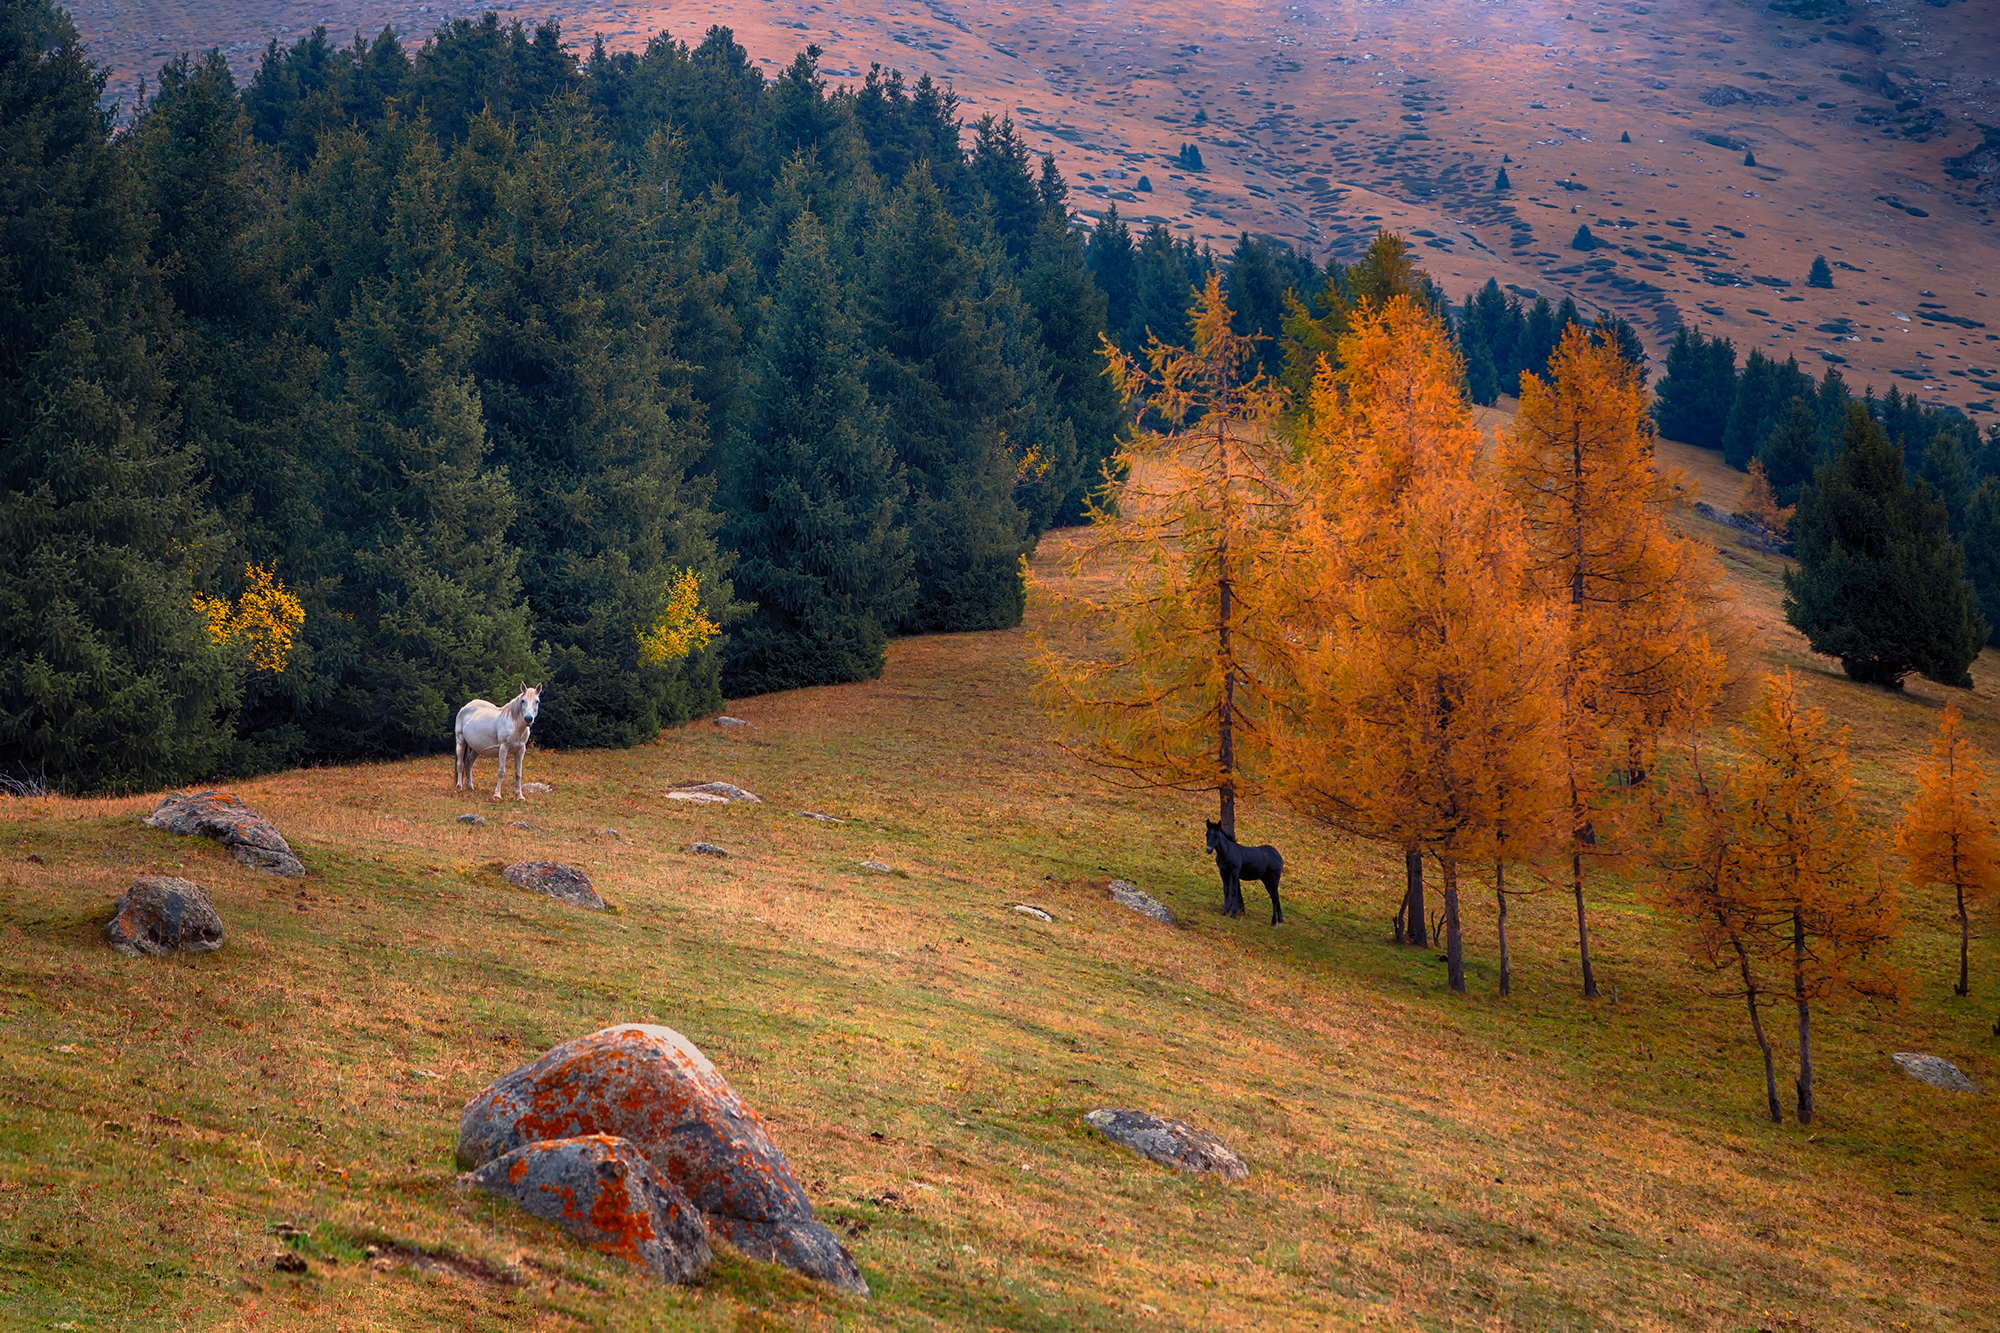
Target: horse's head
column 1215, row 835
column 531, row 703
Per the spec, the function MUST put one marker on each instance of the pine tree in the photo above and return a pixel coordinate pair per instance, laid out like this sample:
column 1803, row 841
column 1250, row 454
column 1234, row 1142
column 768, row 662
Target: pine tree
column 813, row 495
column 1880, row 584
column 1749, row 158
column 940, row 373
column 1819, row 275
column 1500, row 181
column 1643, row 600
column 1071, row 316
column 1947, row 833
column 110, row 679
column 1583, row 240
column 1697, row 389
column 1625, row 136
column 1763, row 392
column 1175, row 690
column 1111, row 266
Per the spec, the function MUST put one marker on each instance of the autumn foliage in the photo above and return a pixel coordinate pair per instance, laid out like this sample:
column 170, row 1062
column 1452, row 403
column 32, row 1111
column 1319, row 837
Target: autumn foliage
column 1947, row 831
column 259, row 624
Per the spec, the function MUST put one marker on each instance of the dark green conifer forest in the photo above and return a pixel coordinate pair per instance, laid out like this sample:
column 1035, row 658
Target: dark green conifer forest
column 479, row 347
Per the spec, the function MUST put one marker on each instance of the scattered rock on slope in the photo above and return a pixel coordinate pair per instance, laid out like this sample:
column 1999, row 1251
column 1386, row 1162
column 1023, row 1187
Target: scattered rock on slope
column 223, row 816
column 713, row 792
column 160, row 915
column 1934, row 1070
column 1169, row 1142
column 557, row 881
column 1126, row 895
column 651, row 1086
column 604, row 1191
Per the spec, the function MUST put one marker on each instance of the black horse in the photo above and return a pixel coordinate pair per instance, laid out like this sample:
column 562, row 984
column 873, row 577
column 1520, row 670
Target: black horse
column 1235, row 862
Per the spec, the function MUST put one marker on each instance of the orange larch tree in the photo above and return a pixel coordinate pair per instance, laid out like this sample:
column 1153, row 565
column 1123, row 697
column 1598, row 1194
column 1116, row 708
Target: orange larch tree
column 1947, row 830
column 1170, row 685
column 1645, row 602
column 1423, row 710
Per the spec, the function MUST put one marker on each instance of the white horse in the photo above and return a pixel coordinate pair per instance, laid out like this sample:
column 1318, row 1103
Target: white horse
column 485, row 728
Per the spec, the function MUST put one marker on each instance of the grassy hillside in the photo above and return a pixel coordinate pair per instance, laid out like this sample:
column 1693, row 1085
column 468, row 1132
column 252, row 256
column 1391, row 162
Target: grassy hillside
column 923, row 1054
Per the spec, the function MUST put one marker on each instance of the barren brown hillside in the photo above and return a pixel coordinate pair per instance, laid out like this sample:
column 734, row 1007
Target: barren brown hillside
column 1319, row 121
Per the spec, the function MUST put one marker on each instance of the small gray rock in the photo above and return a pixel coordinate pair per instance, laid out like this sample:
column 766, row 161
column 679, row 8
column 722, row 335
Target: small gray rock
column 222, row 816
column 1029, row 909
column 1169, row 1142
column 1934, row 1070
column 823, row 819
column 879, row 867
column 472, row 819
column 1125, row 895
column 603, row 1191
column 566, row 883
column 160, row 915
column 521, row 823
column 538, row 788
column 609, row 832
column 728, row 791
column 707, row 849
column 726, row 721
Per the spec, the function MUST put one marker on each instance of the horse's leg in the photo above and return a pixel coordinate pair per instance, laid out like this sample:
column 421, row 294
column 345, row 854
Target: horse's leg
column 520, row 762
column 500, row 783
column 1233, row 904
column 1277, row 912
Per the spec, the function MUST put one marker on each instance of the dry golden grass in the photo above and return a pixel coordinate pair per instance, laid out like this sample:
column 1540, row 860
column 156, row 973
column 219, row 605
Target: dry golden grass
column 1417, row 1160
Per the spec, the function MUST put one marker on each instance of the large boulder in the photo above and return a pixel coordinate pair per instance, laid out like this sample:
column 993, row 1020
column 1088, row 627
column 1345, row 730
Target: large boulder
column 604, row 1192
column 223, row 816
column 160, row 915
column 651, row 1086
column 566, row 883
column 1169, row 1142
column 1127, row 895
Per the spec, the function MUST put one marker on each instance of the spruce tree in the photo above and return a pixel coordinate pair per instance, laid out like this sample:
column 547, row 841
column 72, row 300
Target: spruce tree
column 1762, row 393
column 1819, row 275
column 1880, row 584
column 1111, row 266
column 1583, row 240
column 813, row 495
column 591, row 420
column 1500, row 181
column 1071, row 314
column 1981, row 538
column 938, row 370
column 1790, row 452
column 109, row 680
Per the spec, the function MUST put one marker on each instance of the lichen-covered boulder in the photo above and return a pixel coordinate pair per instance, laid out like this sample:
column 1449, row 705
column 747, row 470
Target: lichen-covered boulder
column 223, row 816
column 604, row 1192
column 1128, row 895
column 651, row 1086
column 556, row 880
column 1169, row 1142
column 1934, row 1070
column 160, row 915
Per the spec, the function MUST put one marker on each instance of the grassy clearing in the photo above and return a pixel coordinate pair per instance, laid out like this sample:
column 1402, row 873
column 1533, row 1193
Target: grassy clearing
column 923, row 1054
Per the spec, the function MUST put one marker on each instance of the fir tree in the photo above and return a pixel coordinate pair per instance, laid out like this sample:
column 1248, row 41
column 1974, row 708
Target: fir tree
column 813, row 495
column 1749, row 158
column 109, row 679
column 1111, row 266
column 1762, row 393
column 1583, row 240
column 1880, row 584
column 1695, row 392
column 1071, row 314
column 938, row 371
column 1625, row 137
column 1981, row 537
column 1819, row 275
column 1500, row 181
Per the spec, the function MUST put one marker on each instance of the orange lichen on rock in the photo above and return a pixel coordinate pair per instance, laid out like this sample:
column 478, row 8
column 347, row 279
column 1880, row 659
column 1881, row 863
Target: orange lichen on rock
column 602, row 1190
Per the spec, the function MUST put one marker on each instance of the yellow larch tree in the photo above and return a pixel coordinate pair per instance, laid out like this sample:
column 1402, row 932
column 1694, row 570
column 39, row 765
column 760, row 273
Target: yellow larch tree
column 1164, row 677
column 1646, row 603
column 1947, row 830
column 259, row 624
column 1422, row 703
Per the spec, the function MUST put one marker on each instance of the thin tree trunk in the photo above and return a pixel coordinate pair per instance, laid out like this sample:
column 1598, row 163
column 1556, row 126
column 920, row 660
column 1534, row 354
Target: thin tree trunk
column 1757, row 1026
column 1805, row 1018
column 1506, row 963
column 1225, row 720
column 1964, row 941
column 1413, row 896
column 1582, row 926
column 1453, row 949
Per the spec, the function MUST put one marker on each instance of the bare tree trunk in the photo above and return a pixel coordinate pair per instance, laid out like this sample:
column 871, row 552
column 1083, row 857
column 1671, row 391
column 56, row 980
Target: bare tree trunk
column 1506, row 962
column 1805, row 1018
column 1226, row 717
column 1453, row 948
column 1964, row 938
column 1750, row 993
column 1413, row 895
column 1582, row 926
